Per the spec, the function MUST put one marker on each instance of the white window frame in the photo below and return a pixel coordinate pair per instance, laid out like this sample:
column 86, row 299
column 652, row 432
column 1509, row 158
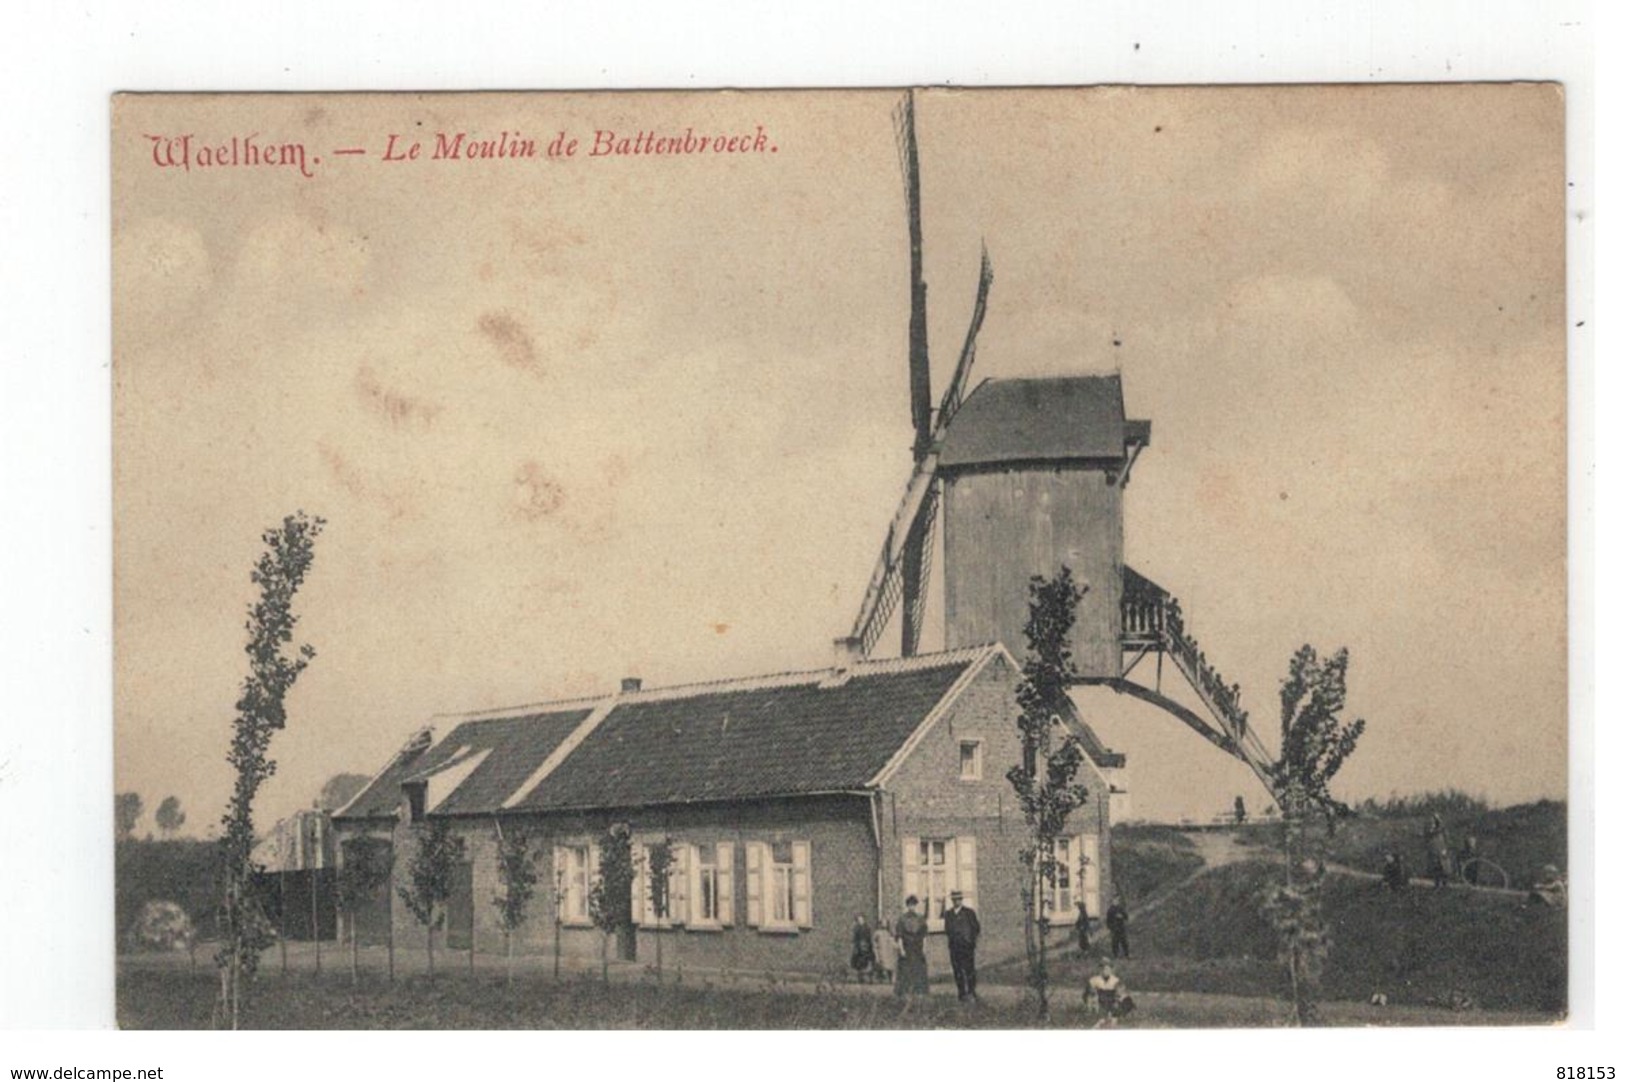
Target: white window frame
column 1077, row 859
column 643, row 910
column 573, row 865
column 720, row 870
column 975, row 744
column 956, row 872
column 770, row 881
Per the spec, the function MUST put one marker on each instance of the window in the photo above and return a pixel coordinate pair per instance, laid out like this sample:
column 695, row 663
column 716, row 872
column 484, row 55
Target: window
column 572, row 870
column 711, row 885
column 781, row 891
column 935, row 867
column 970, row 760
column 1060, row 894
column 1077, row 878
column 778, row 885
column 933, row 881
column 643, row 888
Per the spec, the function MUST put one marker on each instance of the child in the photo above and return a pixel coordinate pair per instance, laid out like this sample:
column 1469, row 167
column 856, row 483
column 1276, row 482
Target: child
column 863, row 948
column 1110, row 997
column 885, row 953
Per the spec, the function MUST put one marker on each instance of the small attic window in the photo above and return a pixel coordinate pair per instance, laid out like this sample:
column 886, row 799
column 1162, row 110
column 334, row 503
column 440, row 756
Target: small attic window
column 970, row 760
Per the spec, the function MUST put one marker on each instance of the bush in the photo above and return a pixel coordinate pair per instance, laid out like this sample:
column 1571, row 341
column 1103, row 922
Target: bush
column 162, row 926
column 179, row 872
column 1445, row 803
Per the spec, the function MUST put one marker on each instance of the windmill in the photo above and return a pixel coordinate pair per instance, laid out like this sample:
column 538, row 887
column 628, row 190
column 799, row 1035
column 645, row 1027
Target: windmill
column 903, row 570
column 1027, row 476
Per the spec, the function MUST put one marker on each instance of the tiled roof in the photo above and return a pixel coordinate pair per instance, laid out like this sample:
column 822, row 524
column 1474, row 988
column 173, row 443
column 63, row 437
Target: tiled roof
column 812, row 736
column 1045, row 420
column 517, row 746
column 783, row 735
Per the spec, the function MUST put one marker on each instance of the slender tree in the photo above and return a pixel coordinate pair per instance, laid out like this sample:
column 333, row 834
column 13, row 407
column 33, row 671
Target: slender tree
column 1045, row 781
column 169, row 816
column 126, row 813
column 366, row 866
column 516, row 873
column 662, row 856
column 609, row 903
column 1315, row 743
column 272, row 669
column 430, row 871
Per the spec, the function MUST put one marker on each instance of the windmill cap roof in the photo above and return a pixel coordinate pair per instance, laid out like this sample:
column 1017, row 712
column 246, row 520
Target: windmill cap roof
column 1048, row 419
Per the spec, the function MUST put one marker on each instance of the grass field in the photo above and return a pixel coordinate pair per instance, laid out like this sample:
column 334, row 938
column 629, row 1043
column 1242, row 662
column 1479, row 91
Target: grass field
column 169, row 997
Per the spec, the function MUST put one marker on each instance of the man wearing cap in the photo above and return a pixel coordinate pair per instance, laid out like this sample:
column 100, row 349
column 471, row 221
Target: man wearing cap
column 960, row 922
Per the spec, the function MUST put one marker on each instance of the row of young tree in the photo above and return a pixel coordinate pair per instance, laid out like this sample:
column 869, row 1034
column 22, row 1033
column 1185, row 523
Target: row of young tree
column 438, row 851
column 1315, row 743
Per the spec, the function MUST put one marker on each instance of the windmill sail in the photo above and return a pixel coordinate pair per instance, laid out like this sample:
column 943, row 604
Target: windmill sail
column 915, row 569
column 967, row 355
column 903, row 571
column 885, row 589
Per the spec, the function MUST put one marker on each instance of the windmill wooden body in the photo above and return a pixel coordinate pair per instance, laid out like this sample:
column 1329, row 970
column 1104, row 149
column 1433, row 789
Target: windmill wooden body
column 1028, row 476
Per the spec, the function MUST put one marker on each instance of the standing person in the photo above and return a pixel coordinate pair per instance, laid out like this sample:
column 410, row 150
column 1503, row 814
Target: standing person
column 1241, row 811
column 1393, row 873
column 1083, row 928
column 863, row 948
column 885, row 953
column 963, row 929
column 1438, row 847
column 1467, row 860
column 1117, row 925
column 911, row 928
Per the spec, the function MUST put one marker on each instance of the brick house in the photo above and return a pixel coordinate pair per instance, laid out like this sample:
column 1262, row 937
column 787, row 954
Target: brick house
column 795, row 802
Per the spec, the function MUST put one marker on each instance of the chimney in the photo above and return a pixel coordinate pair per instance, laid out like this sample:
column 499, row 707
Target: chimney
column 630, row 684
column 848, row 652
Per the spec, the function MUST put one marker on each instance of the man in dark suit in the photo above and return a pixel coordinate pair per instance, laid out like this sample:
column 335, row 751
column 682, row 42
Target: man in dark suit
column 963, row 929
column 1117, row 925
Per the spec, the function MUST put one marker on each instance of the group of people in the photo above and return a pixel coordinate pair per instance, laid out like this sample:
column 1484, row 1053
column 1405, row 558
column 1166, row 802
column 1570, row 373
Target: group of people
column 1116, row 926
column 1443, row 862
column 1462, row 863
column 896, row 953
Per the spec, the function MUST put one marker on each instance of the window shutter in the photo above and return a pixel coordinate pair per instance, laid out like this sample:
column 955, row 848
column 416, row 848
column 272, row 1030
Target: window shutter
column 911, row 866
column 725, row 884
column 642, row 911
column 1089, row 846
column 965, row 848
column 753, row 884
column 801, row 876
column 677, row 886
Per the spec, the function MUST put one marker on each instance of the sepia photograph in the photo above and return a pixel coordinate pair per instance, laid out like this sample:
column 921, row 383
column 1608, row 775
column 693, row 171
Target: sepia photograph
column 907, row 558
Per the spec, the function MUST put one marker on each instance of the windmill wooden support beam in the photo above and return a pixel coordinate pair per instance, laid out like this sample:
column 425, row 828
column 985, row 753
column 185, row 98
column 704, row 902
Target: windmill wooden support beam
column 1221, row 740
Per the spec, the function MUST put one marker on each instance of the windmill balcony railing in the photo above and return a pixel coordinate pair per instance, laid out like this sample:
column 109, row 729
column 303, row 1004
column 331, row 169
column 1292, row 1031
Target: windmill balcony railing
column 1152, row 618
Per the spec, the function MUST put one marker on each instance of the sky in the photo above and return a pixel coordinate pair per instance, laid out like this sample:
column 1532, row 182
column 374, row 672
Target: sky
column 577, row 419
